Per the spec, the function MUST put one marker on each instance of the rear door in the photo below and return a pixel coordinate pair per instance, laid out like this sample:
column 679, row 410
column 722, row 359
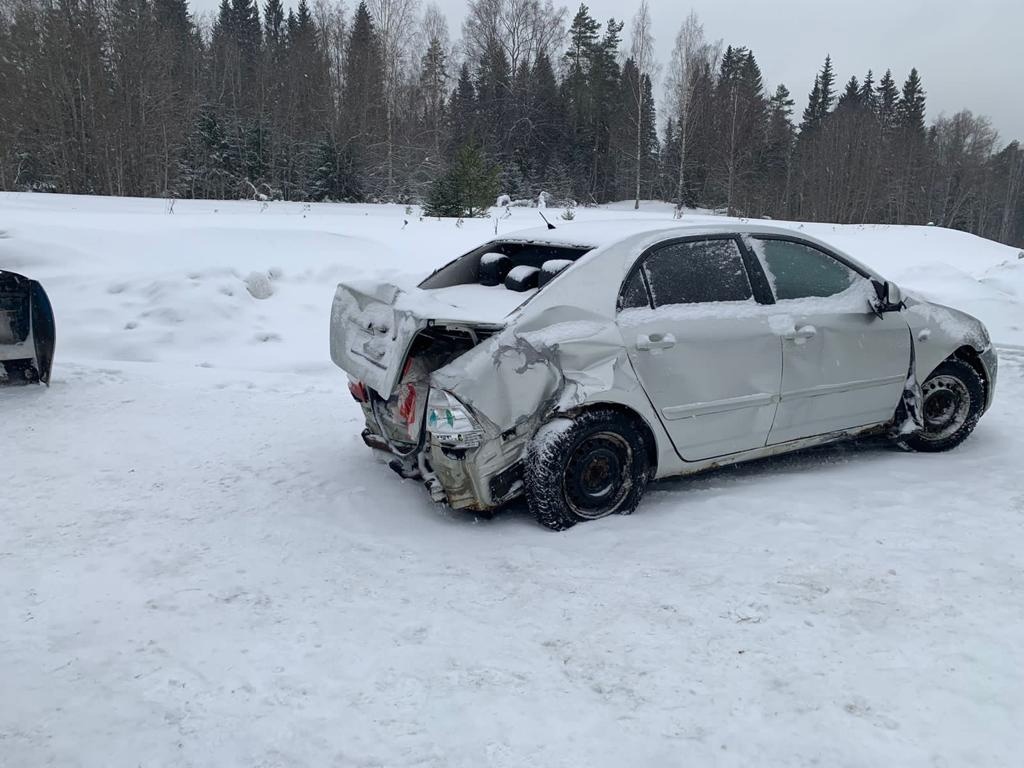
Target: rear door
column 843, row 366
column 702, row 345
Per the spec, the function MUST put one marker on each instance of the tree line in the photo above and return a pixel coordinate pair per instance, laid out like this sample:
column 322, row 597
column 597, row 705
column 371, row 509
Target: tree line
column 313, row 102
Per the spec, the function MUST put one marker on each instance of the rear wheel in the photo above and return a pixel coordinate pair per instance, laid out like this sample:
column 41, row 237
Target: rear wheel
column 585, row 468
column 952, row 399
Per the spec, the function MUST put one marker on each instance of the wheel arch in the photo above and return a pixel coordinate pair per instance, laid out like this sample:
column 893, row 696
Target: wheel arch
column 972, row 357
column 642, row 425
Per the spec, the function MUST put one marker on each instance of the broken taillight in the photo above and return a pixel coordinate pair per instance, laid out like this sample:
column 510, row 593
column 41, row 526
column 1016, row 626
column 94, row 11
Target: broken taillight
column 358, row 391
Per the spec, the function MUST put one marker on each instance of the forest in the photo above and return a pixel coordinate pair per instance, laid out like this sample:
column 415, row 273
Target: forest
column 381, row 102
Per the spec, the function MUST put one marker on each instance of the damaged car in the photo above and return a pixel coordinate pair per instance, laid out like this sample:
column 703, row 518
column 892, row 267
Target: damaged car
column 27, row 332
column 573, row 366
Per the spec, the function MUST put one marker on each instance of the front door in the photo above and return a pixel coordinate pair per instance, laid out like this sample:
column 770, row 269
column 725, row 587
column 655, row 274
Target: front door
column 843, row 366
column 703, row 348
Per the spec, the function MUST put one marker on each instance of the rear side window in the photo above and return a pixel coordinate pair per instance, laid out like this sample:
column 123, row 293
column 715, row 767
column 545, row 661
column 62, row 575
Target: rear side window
column 634, row 293
column 485, row 265
column 799, row 271
column 697, row 272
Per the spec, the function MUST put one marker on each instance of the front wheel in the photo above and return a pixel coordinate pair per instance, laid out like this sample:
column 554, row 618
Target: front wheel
column 584, row 468
column 952, row 399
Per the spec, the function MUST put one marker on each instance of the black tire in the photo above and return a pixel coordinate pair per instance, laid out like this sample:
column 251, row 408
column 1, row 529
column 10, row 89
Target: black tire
column 586, row 467
column 952, row 402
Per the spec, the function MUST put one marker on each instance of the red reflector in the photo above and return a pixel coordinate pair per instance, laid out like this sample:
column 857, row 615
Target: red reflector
column 358, row 390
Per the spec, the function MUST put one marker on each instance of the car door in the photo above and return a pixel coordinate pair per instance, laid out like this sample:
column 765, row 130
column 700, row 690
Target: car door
column 843, row 366
column 702, row 346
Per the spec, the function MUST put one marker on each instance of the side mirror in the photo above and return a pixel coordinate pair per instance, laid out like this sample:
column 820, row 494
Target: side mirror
column 889, row 297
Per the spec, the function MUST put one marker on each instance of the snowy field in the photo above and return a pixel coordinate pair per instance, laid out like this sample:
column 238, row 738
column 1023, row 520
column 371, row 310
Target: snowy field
column 202, row 565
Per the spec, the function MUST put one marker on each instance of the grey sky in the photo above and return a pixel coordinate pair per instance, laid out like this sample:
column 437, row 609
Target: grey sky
column 969, row 53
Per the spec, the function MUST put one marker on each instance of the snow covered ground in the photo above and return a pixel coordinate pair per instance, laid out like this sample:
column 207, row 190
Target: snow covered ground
column 200, row 563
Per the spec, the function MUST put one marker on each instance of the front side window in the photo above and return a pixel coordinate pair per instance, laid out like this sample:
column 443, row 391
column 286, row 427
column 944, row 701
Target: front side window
column 697, row 272
column 799, row 271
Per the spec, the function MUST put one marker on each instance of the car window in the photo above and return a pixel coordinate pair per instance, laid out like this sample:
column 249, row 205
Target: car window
column 699, row 271
column 485, row 264
column 634, row 293
column 799, row 271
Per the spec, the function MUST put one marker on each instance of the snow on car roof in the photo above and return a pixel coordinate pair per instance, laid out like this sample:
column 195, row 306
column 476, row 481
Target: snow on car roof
column 597, row 234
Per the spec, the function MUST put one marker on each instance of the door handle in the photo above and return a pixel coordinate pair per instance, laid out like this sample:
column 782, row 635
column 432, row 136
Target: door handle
column 801, row 334
column 655, row 341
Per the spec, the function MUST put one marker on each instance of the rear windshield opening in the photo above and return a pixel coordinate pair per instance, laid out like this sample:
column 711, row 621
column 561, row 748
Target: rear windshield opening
column 475, row 269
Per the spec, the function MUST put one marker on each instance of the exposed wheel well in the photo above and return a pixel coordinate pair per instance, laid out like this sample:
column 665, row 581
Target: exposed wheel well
column 642, row 426
column 970, row 356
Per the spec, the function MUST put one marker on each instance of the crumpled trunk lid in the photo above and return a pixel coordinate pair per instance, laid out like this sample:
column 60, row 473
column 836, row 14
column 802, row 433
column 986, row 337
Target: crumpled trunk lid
column 373, row 325
column 370, row 334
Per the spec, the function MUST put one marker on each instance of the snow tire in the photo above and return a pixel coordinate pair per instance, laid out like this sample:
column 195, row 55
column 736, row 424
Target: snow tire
column 953, row 401
column 589, row 466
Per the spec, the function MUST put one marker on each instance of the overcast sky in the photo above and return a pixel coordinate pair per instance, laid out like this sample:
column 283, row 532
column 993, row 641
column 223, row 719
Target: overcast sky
column 970, row 53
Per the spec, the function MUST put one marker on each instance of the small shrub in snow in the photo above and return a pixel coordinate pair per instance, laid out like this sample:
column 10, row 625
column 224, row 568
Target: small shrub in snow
column 568, row 214
column 259, row 286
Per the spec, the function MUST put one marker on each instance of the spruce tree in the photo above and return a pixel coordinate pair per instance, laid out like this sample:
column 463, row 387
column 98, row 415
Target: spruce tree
column 868, row 95
column 827, row 81
column 911, row 108
column 363, row 118
column 462, row 113
column 468, row 188
column 813, row 108
column 851, row 96
column 887, row 101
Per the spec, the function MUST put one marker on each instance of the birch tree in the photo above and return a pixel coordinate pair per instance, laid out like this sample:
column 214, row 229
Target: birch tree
column 396, row 22
column 692, row 56
column 641, row 51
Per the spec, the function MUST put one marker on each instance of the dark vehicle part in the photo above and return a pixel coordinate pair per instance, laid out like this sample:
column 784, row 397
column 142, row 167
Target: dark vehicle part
column 584, row 468
column 27, row 331
column 953, row 399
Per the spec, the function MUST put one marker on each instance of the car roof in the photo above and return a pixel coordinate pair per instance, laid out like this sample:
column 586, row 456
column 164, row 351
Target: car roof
column 604, row 233
column 600, row 233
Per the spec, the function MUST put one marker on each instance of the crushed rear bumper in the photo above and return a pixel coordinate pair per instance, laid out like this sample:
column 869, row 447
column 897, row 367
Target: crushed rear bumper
column 27, row 331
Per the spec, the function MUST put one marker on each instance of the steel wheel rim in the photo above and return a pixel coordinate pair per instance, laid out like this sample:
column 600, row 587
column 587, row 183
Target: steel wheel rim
column 597, row 476
column 946, row 404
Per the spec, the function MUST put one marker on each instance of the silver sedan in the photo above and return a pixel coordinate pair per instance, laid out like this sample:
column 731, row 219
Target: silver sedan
column 575, row 365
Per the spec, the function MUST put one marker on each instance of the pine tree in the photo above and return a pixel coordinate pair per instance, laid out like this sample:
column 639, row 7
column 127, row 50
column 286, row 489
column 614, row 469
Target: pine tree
column 362, row 98
column 910, row 110
column 851, row 96
column 331, row 176
column 887, row 101
column 778, row 150
column 273, row 24
column 813, row 108
column 868, row 95
column 827, row 79
column 493, row 97
column 547, row 143
column 468, row 189
column 462, row 113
